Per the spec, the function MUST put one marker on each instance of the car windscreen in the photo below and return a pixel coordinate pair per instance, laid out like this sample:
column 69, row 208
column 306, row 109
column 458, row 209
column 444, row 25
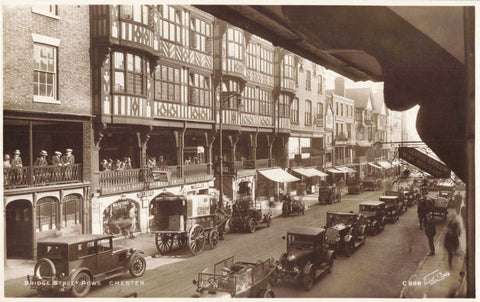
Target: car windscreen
column 52, row 251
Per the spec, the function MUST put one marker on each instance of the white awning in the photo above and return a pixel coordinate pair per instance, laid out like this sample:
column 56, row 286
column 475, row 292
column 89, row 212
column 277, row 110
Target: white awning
column 333, row 170
column 346, row 169
column 317, row 172
column 278, row 175
column 384, row 164
column 375, row 166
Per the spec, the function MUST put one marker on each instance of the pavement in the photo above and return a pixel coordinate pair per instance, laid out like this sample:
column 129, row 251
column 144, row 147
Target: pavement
column 433, row 278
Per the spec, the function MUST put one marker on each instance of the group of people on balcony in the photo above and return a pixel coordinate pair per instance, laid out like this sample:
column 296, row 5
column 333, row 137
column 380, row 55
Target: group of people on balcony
column 110, row 165
column 59, row 168
column 152, row 162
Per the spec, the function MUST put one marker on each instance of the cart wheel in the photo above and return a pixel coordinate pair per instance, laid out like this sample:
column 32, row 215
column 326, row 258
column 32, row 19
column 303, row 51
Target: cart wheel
column 182, row 241
column 269, row 220
column 213, row 238
column 196, row 239
column 251, row 225
column 164, row 243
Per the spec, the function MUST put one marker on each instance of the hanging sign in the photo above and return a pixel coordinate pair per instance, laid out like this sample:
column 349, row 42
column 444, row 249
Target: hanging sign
column 424, row 162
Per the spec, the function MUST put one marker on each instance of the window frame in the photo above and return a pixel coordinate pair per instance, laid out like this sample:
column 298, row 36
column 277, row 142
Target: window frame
column 143, row 74
column 308, row 113
column 40, row 42
column 308, row 80
column 320, row 85
column 237, row 54
column 295, row 112
column 206, row 90
column 134, row 8
column 203, row 37
column 176, row 25
column 264, row 102
column 284, row 106
column 168, row 83
column 54, row 207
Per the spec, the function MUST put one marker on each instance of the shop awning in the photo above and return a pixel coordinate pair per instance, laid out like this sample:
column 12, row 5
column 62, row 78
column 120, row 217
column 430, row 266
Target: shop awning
column 346, row 169
column 317, row 172
column 375, row 166
column 278, row 175
column 384, row 164
column 333, row 170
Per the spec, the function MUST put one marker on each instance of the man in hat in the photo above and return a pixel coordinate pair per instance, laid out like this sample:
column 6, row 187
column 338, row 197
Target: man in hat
column 40, row 173
column 430, row 231
column 57, row 162
column 68, row 161
column 17, row 164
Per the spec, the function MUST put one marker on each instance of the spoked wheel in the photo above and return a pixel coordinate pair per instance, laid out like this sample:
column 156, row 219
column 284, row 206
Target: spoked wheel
column 182, row 241
column 196, row 239
column 251, row 225
column 138, row 266
column 213, row 238
column 164, row 243
column 81, row 284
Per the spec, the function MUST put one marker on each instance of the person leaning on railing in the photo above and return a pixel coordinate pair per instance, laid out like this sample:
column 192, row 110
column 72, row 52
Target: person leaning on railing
column 40, row 172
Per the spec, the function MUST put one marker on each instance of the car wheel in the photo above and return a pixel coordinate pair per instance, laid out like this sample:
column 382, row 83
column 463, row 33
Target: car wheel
column 251, row 225
column 348, row 249
column 266, row 293
column 81, row 284
column 137, row 266
column 308, row 280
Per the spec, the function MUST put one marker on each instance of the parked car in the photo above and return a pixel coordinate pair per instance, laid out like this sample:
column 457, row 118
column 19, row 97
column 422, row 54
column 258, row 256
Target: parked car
column 402, row 199
column 329, row 194
column 392, row 207
column 440, row 207
column 237, row 279
column 371, row 184
column 296, row 207
column 446, row 190
column 74, row 263
column 345, row 231
column 375, row 214
column 355, row 188
column 247, row 214
column 307, row 256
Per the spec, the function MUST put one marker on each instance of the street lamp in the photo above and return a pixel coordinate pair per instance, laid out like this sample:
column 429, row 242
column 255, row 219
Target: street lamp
column 225, row 96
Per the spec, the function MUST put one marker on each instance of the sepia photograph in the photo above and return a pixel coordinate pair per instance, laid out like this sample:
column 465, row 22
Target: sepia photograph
column 230, row 150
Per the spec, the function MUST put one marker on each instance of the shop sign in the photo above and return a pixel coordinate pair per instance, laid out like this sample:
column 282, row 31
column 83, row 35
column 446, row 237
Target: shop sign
column 424, row 162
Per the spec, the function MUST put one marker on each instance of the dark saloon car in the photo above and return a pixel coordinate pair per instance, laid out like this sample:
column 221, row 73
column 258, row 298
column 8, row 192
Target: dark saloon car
column 345, row 231
column 375, row 215
column 307, row 256
column 393, row 207
column 75, row 263
column 329, row 194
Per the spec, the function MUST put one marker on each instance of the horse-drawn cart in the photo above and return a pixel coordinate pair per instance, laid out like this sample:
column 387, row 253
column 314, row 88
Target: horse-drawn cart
column 180, row 222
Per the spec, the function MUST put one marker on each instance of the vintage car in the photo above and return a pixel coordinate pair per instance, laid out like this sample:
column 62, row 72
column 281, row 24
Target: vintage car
column 329, row 194
column 345, row 231
column 371, row 184
column 307, row 256
column 237, row 279
column 74, row 263
column 402, row 199
column 247, row 214
column 439, row 206
column 294, row 206
column 375, row 215
column 355, row 188
column 446, row 190
column 410, row 197
column 393, row 208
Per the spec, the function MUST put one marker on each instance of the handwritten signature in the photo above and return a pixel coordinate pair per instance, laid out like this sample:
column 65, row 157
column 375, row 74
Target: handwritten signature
column 435, row 277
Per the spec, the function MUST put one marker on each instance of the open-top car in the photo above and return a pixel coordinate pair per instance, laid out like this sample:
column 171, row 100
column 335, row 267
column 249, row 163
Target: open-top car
column 375, row 215
column 345, row 231
column 393, row 207
column 371, row 184
column 74, row 263
column 329, row 194
column 247, row 214
column 307, row 256
column 237, row 279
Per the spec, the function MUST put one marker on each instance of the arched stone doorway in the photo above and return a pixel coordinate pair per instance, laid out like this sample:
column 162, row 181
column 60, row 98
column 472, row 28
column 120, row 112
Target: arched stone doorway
column 19, row 229
column 121, row 217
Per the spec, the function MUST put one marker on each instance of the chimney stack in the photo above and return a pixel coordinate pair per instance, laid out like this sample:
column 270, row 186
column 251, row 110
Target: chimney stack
column 340, row 86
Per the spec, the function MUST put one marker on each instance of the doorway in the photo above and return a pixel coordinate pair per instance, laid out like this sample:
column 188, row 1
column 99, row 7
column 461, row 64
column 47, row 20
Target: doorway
column 19, row 229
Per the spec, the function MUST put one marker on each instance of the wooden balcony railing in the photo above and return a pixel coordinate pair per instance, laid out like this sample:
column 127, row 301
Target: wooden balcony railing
column 40, row 176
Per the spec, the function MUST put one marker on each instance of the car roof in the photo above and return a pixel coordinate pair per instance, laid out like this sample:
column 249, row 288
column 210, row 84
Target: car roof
column 372, row 203
column 74, row 239
column 388, row 197
column 342, row 213
column 311, row 231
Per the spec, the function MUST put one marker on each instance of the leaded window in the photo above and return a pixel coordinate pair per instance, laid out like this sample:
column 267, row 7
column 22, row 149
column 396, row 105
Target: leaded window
column 199, row 90
column 130, row 73
column 200, row 35
column 171, row 23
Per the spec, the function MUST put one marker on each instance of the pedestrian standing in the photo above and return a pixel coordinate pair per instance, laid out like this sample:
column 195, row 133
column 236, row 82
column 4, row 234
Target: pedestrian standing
column 57, row 163
column 421, row 212
column 133, row 220
column 68, row 161
column 41, row 162
column 17, row 164
column 430, row 231
column 451, row 240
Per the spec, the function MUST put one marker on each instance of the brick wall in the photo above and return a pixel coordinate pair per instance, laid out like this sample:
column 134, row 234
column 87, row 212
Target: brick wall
column 72, row 28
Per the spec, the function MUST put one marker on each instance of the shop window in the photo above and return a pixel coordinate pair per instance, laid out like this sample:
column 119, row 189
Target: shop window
column 72, row 209
column 167, row 83
column 47, row 214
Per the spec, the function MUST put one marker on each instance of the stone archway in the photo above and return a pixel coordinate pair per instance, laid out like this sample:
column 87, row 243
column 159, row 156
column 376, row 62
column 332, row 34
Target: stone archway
column 19, row 229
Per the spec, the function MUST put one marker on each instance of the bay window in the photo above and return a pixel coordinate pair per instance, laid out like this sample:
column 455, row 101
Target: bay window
column 129, row 73
column 137, row 13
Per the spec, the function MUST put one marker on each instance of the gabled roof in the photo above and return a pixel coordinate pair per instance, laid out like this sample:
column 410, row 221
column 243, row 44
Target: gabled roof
column 361, row 96
column 378, row 103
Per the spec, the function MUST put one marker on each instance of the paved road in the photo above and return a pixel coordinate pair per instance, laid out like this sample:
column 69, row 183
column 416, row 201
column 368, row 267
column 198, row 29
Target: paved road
column 376, row 269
